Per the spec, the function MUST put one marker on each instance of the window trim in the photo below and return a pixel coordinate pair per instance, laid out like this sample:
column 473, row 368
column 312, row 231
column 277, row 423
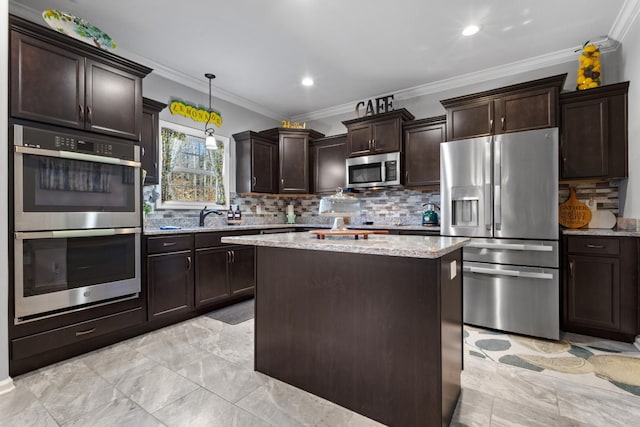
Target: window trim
column 197, row 133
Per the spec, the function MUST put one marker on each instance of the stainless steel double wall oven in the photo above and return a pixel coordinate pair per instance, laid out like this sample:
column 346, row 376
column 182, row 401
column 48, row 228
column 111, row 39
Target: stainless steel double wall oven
column 76, row 210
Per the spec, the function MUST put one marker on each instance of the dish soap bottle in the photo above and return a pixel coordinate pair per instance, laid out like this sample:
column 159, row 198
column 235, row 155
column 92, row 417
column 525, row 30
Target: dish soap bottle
column 230, row 214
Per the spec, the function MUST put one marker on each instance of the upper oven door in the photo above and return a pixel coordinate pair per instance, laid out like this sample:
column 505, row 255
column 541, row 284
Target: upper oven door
column 65, row 189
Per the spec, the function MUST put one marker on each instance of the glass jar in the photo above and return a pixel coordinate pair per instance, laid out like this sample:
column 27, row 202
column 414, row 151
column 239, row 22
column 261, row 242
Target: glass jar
column 589, row 71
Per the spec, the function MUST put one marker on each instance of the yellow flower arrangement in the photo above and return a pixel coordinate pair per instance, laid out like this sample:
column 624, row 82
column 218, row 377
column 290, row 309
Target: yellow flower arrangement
column 589, row 71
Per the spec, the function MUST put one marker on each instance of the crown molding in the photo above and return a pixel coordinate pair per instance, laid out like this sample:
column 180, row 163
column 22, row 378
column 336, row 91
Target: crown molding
column 625, row 19
column 501, row 71
column 163, row 71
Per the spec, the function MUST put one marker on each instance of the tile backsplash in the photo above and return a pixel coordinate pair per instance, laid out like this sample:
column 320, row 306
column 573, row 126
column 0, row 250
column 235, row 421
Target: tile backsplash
column 387, row 206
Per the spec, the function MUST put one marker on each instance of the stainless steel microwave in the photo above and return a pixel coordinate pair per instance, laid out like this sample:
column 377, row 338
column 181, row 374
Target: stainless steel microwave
column 378, row 170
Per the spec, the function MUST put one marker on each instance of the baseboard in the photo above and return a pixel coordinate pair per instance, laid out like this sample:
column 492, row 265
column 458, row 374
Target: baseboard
column 637, row 342
column 6, row 386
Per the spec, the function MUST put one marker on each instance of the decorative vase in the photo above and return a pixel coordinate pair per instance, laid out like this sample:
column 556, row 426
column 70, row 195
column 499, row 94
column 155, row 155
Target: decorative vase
column 589, row 71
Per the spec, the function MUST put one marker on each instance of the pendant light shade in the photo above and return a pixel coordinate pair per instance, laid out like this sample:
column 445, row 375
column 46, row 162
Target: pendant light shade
column 210, row 141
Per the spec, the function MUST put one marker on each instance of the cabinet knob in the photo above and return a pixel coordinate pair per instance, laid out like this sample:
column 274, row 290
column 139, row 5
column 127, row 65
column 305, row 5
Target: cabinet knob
column 233, row 257
column 502, row 119
column 282, row 181
column 142, row 149
column 490, row 125
column 81, row 112
column 254, row 181
column 89, row 114
column 406, row 175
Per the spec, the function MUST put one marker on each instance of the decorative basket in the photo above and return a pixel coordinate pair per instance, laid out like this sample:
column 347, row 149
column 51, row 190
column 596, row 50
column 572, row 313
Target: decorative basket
column 589, row 71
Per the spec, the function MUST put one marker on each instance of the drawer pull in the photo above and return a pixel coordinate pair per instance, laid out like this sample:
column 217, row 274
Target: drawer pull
column 88, row 331
column 590, row 246
column 165, row 244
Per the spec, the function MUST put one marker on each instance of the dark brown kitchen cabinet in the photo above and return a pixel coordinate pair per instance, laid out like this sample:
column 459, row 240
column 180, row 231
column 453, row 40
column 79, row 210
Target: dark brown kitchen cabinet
column 421, row 152
column 593, row 137
column 600, row 286
column 520, row 107
column 293, row 158
column 256, row 163
column 170, row 275
column 222, row 271
column 59, row 80
column 328, row 164
column 381, row 133
column 149, row 141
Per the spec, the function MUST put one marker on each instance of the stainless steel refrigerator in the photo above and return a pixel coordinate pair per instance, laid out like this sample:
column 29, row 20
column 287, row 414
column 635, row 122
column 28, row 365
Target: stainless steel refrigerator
column 502, row 191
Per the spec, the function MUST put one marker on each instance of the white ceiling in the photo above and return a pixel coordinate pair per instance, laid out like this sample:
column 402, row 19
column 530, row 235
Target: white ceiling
column 353, row 49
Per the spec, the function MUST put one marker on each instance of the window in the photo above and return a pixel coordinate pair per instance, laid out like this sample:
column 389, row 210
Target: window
column 191, row 175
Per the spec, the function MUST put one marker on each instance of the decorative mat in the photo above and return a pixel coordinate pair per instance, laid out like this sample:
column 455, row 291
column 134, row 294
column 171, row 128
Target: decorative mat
column 591, row 361
column 234, row 314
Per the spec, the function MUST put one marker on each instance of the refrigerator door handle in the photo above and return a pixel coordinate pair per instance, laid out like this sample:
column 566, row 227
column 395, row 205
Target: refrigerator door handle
column 486, row 172
column 511, row 246
column 497, row 181
column 510, row 273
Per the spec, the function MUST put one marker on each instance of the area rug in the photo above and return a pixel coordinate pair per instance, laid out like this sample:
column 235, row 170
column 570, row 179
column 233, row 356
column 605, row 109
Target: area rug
column 234, row 314
column 576, row 358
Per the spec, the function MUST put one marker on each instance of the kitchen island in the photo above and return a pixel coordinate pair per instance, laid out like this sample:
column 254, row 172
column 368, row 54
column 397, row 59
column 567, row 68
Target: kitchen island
column 373, row 325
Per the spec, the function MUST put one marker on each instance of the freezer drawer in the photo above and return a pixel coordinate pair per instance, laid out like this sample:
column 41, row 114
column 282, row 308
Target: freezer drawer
column 533, row 253
column 523, row 300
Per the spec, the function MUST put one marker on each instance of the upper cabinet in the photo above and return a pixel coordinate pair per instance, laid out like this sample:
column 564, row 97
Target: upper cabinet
column 328, row 164
column 149, row 141
column 62, row 81
column 593, row 139
column 381, row 133
column 421, row 152
column 256, row 163
column 293, row 158
column 525, row 106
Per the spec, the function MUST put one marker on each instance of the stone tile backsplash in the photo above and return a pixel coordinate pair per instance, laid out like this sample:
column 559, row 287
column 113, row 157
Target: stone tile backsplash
column 389, row 206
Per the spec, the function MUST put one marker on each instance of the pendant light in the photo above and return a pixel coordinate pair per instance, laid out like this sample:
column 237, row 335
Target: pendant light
column 210, row 141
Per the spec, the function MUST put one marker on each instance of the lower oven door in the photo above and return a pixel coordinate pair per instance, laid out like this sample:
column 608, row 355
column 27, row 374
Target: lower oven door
column 60, row 270
column 518, row 299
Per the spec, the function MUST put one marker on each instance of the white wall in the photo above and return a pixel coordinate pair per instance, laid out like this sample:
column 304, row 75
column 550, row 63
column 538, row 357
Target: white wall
column 630, row 70
column 5, row 381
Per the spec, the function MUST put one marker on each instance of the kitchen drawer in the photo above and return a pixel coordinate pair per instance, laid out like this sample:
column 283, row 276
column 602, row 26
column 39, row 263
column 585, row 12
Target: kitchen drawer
column 33, row 345
column 207, row 240
column 593, row 245
column 174, row 243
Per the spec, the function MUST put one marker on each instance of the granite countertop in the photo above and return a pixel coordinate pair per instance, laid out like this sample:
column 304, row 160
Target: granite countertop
column 600, row 232
column 158, row 231
column 389, row 245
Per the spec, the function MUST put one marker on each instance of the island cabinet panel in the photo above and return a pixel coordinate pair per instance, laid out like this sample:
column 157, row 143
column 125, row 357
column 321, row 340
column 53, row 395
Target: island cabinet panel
column 593, row 137
column 379, row 335
column 241, row 270
column 421, row 152
column 377, row 134
column 601, row 287
column 58, row 80
column 520, row 107
column 328, row 164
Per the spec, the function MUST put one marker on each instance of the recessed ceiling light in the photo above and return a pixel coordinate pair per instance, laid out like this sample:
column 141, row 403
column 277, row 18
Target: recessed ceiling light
column 470, row 30
column 307, row 81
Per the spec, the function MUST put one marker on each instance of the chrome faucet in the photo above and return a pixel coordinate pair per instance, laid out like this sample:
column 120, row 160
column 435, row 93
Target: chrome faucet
column 204, row 212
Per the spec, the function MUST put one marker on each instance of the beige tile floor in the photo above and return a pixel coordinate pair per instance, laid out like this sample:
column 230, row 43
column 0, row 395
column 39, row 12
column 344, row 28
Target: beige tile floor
column 199, row 373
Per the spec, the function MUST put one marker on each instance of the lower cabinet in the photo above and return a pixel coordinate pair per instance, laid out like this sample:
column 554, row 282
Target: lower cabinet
column 188, row 272
column 223, row 272
column 170, row 275
column 600, row 286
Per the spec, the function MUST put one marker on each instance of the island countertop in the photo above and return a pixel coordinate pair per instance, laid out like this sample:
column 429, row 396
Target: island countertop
column 389, row 245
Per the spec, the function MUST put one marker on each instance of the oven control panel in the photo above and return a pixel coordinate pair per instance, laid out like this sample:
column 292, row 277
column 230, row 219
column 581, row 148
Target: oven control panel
column 53, row 140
